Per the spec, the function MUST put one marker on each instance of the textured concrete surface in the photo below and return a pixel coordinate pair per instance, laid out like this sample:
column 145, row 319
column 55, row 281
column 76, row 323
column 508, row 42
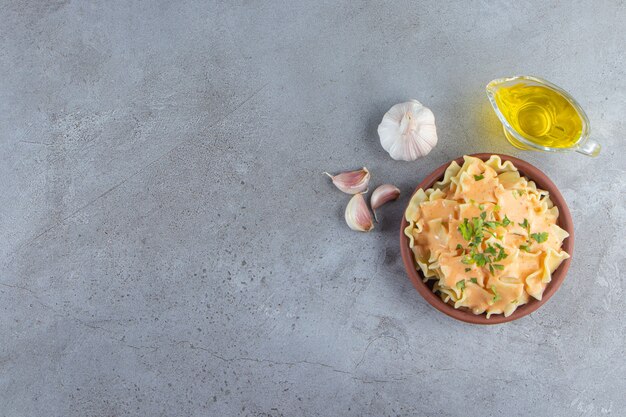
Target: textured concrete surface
column 169, row 247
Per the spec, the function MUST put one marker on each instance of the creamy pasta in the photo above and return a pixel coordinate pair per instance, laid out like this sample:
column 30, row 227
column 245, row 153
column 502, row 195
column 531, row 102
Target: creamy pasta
column 486, row 236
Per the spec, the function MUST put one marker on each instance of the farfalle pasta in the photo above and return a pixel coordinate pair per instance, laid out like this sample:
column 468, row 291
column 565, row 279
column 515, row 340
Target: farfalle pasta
column 486, row 236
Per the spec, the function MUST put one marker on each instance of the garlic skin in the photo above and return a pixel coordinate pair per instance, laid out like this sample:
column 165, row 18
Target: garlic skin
column 382, row 195
column 351, row 182
column 358, row 216
column 408, row 131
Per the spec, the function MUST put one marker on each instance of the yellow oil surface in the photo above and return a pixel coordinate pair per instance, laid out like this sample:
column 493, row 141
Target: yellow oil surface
column 540, row 114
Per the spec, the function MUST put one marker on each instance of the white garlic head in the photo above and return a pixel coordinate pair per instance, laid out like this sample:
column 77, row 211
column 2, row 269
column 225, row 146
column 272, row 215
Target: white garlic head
column 408, row 131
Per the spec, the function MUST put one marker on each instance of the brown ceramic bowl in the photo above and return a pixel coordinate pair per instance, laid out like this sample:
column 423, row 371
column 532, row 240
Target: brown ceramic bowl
column 565, row 222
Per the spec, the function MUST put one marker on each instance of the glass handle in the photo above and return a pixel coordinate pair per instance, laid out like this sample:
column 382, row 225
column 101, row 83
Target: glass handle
column 589, row 148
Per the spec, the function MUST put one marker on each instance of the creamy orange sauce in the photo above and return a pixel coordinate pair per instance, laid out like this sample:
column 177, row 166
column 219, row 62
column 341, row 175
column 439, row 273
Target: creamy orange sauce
column 510, row 253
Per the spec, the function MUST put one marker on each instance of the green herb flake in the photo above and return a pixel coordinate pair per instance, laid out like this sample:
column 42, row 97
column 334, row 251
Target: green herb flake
column 492, row 225
column 496, row 296
column 480, row 259
column 525, row 248
column 474, row 231
column 525, row 224
column 506, row 221
column 477, row 224
column 521, row 192
column 540, row 237
column 498, row 267
column 474, row 280
column 461, row 284
column 496, row 207
column 466, row 229
column 481, row 206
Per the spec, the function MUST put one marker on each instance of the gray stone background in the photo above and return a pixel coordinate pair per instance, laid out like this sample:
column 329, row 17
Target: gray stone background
column 169, row 246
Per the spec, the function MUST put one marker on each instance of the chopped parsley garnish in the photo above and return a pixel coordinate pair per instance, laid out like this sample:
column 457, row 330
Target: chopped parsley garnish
column 473, row 231
column 525, row 224
column 468, row 269
column 467, row 230
column 481, row 206
column 521, row 192
column 480, row 259
column 461, row 284
column 501, row 254
column 496, row 296
column 540, row 237
column 496, row 208
column 493, row 267
column 506, row 221
column 478, row 225
column 478, row 177
column 459, row 247
column 474, row 280
column 492, row 224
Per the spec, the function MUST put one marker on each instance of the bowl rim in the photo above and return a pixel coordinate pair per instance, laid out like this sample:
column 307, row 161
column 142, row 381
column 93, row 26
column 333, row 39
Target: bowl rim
column 558, row 276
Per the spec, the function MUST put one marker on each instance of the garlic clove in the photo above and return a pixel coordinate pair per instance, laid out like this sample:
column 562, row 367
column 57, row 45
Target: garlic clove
column 408, row 131
column 358, row 215
column 383, row 194
column 351, row 182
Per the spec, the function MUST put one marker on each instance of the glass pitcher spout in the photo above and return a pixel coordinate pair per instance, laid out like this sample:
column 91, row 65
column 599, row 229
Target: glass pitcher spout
column 589, row 148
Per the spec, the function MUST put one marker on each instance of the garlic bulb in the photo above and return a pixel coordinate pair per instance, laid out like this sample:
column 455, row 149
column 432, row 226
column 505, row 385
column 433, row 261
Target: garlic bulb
column 351, row 182
column 408, row 131
column 383, row 194
column 357, row 214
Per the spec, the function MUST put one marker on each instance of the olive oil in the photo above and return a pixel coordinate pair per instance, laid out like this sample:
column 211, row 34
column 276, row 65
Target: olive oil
column 540, row 114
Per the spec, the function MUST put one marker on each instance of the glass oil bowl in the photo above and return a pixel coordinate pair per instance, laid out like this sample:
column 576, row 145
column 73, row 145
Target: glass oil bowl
column 538, row 115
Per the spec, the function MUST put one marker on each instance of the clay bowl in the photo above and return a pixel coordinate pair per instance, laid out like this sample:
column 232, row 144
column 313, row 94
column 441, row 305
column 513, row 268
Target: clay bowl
column 565, row 222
